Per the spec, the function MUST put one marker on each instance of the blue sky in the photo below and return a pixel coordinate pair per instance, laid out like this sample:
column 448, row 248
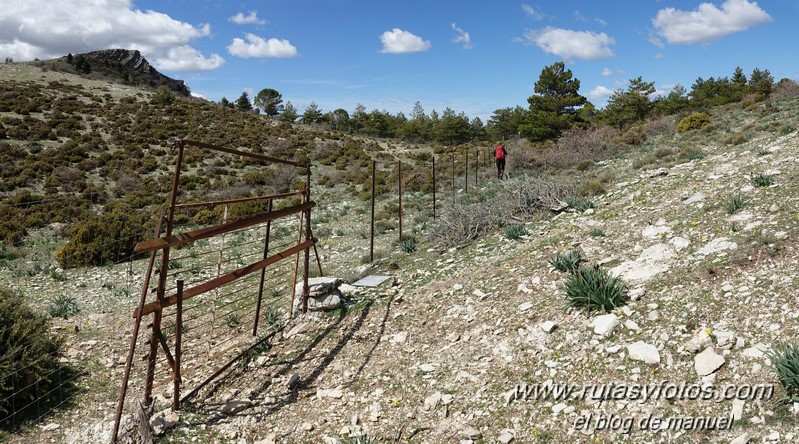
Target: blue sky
column 469, row 55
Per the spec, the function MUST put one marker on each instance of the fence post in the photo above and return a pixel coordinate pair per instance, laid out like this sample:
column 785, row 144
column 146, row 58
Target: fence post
column 453, row 177
column 434, row 186
column 372, row 235
column 466, row 172
column 178, row 338
column 263, row 271
column 477, row 167
column 399, row 179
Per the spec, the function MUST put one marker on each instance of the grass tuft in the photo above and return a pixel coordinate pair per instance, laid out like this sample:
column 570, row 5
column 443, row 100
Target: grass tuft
column 592, row 288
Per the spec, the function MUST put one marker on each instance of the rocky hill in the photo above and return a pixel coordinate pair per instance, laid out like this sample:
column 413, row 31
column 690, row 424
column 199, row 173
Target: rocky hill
column 124, row 66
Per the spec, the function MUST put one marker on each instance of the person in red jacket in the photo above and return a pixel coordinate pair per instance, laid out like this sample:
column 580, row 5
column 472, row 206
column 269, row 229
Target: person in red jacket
column 499, row 155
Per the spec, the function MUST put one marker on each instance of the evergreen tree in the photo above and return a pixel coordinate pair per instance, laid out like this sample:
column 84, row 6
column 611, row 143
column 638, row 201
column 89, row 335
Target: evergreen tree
column 243, row 102
column 553, row 106
column 312, row 114
column 70, row 59
column 674, row 103
column 340, row 118
column 225, row 102
column 289, row 113
column 505, row 122
column 761, row 82
column 270, row 101
column 625, row 108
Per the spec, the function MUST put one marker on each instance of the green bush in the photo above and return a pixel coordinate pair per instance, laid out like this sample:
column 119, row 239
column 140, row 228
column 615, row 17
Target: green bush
column 515, row 232
column 63, row 306
column 567, row 262
column 785, row 363
column 693, row 122
column 592, row 288
column 409, row 245
column 100, row 239
column 29, row 364
column 761, row 180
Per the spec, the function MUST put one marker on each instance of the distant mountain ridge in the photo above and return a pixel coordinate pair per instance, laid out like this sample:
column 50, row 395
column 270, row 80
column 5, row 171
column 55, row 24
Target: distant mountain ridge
column 126, row 66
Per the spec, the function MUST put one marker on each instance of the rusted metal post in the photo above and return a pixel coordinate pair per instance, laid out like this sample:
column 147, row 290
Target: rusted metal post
column 263, row 272
column 178, row 339
column 477, row 167
column 434, row 186
column 132, row 350
column 305, row 288
column 399, row 180
column 372, row 235
column 453, row 177
column 148, row 386
column 466, row 172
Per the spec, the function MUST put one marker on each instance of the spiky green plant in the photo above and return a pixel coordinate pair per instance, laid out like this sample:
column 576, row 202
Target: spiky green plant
column 63, row 306
column 592, row 288
column 409, row 245
column 515, row 232
column 735, row 203
column 785, row 363
column 567, row 262
column 762, row 180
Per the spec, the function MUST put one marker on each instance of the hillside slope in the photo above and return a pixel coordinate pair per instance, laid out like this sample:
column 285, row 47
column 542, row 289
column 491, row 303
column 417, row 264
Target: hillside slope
column 436, row 354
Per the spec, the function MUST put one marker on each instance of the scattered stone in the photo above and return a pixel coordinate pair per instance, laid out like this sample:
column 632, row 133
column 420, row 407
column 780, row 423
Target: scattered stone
column 427, row 368
column 163, row 421
column 233, row 407
column 307, row 426
column 636, row 293
column 523, row 288
column 653, row 315
column 471, row 433
column 698, row 197
column 525, row 306
column 605, row 324
column 293, row 380
column 679, row 243
column 756, row 351
column 631, row 325
column 707, row 362
column 50, row 427
column 505, row 438
column 329, row 393
column 716, row 246
column 700, row 341
column 479, row 294
column 399, row 338
column 641, row 351
column 432, row 401
column 742, row 439
column 547, row 326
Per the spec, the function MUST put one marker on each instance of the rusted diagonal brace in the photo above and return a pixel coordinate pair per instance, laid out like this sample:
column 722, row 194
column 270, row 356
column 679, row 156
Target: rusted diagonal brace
column 191, row 236
column 243, row 153
column 165, row 346
column 222, row 280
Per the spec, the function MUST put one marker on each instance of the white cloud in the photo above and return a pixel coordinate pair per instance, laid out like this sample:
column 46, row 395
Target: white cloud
column 46, row 29
column 249, row 19
column 659, row 56
column 607, row 72
column 599, row 93
column 462, row 37
column 186, row 58
column 600, row 21
column 532, row 11
column 708, row 22
column 398, row 41
column 570, row 44
column 259, row 47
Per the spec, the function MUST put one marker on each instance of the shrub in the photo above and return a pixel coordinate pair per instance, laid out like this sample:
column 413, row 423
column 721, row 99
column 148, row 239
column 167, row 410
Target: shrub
column 29, row 365
column 735, row 139
column 104, row 238
column 785, row 363
column 695, row 154
column 579, row 203
column 735, row 203
column 515, row 232
column 567, row 262
column 592, row 288
column 590, row 188
column 693, row 122
column 597, row 232
column 762, row 180
column 63, row 306
column 409, row 245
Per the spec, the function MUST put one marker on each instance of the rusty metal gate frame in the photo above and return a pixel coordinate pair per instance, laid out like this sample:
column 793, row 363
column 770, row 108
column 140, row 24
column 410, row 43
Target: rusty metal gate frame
column 171, row 240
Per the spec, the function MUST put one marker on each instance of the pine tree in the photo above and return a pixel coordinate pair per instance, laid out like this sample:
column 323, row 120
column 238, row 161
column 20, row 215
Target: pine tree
column 554, row 104
column 243, row 102
column 270, row 101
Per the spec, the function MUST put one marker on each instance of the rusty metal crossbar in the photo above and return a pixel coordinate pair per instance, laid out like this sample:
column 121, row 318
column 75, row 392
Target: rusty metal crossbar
column 203, row 344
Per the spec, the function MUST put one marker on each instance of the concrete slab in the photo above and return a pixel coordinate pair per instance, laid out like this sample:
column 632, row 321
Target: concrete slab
column 371, row 281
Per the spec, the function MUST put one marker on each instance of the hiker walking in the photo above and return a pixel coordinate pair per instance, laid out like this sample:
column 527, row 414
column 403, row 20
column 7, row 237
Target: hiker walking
column 499, row 155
